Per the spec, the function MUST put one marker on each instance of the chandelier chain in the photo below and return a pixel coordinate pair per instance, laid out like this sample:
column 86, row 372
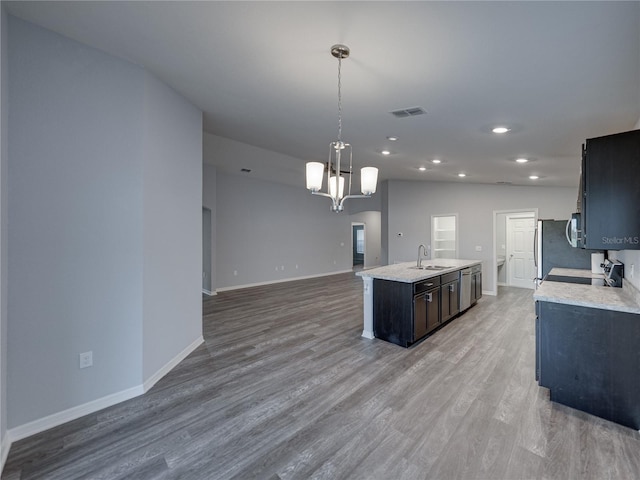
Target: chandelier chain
column 340, row 98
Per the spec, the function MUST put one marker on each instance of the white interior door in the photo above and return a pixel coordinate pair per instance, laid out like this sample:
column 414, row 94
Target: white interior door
column 520, row 234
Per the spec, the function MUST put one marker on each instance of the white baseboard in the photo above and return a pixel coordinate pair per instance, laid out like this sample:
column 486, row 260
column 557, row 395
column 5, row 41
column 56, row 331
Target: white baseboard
column 73, row 413
column 208, row 292
column 5, row 445
column 153, row 379
column 270, row 282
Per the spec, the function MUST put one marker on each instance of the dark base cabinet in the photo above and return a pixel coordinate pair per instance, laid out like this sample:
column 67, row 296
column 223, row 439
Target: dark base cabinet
column 404, row 313
column 476, row 283
column 426, row 307
column 589, row 359
column 393, row 311
column 450, row 297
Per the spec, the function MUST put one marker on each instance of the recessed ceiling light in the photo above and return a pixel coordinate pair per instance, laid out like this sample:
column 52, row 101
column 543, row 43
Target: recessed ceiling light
column 462, row 174
column 422, row 169
column 534, row 177
column 500, row 130
column 522, row 160
column 385, row 152
column 392, row 138
column 435, row 160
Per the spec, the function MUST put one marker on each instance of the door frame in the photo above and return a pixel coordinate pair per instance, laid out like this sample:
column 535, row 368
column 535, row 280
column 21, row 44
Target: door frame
column 494, row 263
column 364, row 233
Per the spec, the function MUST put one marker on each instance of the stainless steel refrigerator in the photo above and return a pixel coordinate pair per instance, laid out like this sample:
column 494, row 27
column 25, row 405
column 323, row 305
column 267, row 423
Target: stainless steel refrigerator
column 552, row 249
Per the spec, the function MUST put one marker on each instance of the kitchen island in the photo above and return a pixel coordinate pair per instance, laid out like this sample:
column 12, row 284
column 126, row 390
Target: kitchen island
column 403, row 303
column 587, row 339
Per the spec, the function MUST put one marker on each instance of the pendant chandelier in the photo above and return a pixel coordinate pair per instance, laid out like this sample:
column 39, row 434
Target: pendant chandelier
column 337, row 152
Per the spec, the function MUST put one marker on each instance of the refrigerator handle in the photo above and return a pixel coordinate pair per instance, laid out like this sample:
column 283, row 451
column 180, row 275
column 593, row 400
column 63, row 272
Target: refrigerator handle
column 535, row 249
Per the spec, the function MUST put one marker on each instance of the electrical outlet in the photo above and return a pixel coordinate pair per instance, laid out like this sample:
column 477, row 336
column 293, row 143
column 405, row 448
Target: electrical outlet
column 631, row 272
column 478, row 248
column 86, row 359
column 235, row 273
column 296, row 266
column 282, row 267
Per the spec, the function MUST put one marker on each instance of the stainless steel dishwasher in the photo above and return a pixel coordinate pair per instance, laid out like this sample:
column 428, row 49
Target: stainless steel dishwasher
column 465, row 288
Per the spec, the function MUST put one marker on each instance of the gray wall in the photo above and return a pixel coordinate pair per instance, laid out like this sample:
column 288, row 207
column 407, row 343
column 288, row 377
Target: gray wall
column 264, row 226
column 75, row 223
column 4, row 152
column 411, row 204
column 91, row 205
column 172, row 219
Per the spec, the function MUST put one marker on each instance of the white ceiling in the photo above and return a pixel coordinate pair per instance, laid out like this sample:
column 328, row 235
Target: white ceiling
column 557, row 72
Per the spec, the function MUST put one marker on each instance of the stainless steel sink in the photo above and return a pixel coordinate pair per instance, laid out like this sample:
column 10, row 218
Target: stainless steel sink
column 430, row 267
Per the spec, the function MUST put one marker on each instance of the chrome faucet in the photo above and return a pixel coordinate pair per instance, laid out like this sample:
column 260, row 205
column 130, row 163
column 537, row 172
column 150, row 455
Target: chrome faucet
column 424, row 250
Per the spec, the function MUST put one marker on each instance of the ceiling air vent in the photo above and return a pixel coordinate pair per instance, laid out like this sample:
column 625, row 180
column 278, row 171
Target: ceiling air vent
column 408, row 112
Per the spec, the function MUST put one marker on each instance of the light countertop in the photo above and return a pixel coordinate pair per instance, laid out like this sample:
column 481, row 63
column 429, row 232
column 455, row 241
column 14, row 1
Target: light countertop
column 625, row 299
column 402, row 272
column 576, row 272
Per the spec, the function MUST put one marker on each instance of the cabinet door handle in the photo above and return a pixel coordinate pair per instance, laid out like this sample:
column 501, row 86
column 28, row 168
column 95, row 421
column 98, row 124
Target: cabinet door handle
column 452, row 288
column 429, row 297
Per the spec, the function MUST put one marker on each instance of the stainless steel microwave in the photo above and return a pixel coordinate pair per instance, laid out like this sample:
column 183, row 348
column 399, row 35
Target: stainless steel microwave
column 574, row 231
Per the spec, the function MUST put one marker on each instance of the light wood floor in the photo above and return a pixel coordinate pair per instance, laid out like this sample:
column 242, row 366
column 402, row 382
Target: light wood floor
column 285, row 388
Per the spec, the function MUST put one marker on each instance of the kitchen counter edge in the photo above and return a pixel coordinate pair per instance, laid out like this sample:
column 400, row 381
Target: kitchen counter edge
column 625, row 299
column 402, row 272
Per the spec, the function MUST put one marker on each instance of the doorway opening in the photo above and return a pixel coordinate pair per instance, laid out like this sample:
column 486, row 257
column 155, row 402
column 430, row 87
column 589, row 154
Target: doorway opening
column 358, row 245
column 513, row 246
column 206, row 251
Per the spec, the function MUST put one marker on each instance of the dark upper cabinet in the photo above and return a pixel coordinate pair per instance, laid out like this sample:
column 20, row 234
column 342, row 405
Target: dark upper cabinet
column 611, row 190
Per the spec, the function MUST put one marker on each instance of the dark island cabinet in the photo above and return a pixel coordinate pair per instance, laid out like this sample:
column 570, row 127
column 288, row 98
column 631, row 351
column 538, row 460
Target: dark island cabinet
column 393, row 311
column 589, row 359
column 426, row 307
column 476, row 283
column 450, row 299
column 404, row 313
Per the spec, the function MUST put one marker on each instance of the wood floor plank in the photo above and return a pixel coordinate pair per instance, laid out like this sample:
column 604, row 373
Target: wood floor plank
column 284, row 387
